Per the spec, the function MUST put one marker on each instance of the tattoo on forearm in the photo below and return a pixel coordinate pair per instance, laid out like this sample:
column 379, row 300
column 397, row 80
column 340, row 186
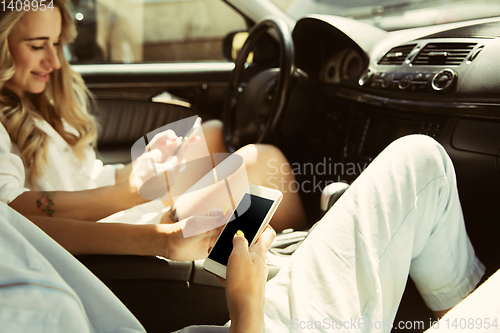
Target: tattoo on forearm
column 45, row 203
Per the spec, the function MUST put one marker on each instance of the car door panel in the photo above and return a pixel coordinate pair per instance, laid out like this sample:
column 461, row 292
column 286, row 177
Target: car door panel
column 124, row 93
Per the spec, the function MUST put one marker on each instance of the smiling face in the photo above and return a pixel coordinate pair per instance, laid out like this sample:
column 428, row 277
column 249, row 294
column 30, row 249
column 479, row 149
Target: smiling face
column 34, row 46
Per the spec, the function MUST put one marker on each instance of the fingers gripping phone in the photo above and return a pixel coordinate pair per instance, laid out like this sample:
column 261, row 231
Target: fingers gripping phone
column 152, row 183
column 251, row 217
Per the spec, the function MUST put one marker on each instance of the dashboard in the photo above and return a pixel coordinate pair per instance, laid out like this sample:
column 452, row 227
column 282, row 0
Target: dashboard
column 422, row 60
column 371, row 87
column 405, row 82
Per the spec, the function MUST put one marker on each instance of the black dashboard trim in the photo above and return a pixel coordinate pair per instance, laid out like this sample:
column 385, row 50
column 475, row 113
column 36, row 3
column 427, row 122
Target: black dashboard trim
column 481, row 110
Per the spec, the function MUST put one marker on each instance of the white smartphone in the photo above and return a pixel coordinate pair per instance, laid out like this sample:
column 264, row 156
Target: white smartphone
column 186, row 138
column 251, row 217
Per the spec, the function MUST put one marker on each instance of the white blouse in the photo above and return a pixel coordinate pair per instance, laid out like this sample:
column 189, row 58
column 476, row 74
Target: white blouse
column 64, row 171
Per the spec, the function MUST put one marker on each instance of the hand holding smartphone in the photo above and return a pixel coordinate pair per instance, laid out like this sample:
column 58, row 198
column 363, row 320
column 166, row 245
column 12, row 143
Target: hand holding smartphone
column 185, row 139
column 250, row 218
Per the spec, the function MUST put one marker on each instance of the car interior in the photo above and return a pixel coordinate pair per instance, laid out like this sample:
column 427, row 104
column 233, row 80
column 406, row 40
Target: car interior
column 326, row 90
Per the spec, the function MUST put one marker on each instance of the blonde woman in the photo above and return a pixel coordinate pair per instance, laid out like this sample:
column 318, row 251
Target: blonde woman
column 47, row 164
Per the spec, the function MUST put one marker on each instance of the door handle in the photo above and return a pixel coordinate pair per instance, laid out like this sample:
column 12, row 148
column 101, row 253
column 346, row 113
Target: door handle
column 167, row 98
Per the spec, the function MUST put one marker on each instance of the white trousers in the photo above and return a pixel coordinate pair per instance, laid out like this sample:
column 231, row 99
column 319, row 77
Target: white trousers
column 401, row 217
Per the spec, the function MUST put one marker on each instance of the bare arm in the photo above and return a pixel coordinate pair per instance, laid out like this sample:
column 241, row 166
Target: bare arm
column 123, row 174
column 92, row 205
column 167, row 240
column 84, row 237
column 88, row 205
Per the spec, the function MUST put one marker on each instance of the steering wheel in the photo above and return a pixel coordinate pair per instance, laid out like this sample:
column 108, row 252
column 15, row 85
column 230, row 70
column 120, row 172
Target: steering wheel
column 253, row 112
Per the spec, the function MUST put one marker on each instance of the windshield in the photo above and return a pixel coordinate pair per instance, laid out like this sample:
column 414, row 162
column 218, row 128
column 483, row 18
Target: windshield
column 395, row 14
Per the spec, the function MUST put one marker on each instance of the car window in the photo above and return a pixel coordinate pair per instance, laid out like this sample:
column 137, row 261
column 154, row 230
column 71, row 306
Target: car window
column 395, row 14
column 135, row 31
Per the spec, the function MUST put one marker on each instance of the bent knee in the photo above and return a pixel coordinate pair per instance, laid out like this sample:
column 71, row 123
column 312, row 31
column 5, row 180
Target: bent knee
column 212, row 131
column 212, row 128
column 416, row 144
column 421, row 150
column 260, row 153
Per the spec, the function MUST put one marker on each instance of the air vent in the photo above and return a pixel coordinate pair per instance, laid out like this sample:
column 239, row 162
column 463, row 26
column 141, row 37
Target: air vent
column 447, row 54
column 397, row 55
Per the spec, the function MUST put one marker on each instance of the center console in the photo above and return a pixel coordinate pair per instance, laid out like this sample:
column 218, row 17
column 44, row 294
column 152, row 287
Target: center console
column 372, row 129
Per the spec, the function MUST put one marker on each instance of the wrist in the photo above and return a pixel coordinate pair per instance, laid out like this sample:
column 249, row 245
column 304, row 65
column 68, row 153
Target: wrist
column 247, row 315
column 122, row 173
column 159, row 241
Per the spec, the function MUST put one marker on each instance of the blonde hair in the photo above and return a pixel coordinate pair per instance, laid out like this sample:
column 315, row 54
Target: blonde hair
column 65, row 97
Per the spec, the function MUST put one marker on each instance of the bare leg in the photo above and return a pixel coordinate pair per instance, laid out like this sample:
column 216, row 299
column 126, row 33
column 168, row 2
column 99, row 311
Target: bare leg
column 212, row 132
column 290, row 214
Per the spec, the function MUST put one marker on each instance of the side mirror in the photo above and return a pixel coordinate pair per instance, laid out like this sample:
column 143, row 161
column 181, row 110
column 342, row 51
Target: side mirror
column 232, row 44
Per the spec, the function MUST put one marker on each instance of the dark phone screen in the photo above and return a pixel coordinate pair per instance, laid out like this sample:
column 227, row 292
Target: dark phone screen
column 249, row 222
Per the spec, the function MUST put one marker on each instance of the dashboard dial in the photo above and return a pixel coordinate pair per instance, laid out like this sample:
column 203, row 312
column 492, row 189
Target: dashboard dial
column 352, row 65
column 345, row 64
column 331, row 71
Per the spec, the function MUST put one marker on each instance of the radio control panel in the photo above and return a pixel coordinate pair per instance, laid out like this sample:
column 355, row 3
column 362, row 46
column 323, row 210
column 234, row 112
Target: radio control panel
column 425, row 81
